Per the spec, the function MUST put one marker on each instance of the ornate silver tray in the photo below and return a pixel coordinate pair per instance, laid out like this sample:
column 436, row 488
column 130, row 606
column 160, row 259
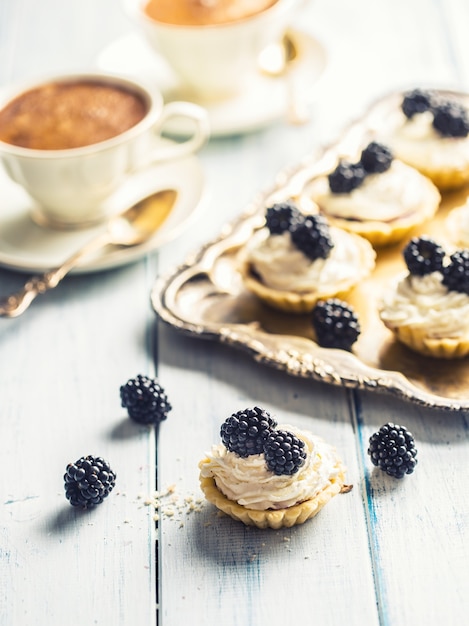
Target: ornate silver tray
column 205, row 298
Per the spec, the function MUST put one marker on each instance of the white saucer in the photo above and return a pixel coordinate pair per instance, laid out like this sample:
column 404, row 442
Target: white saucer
column 263, row 102
column 27, row 247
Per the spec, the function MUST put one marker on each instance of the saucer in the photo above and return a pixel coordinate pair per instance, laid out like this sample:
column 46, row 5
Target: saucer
column 264, row 101
column 28, row 247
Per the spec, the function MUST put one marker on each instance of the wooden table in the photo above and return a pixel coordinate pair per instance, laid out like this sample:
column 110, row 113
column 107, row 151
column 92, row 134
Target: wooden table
column 389, row 552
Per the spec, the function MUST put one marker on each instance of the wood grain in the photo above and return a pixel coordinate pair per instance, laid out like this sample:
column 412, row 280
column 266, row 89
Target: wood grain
column 388, row 553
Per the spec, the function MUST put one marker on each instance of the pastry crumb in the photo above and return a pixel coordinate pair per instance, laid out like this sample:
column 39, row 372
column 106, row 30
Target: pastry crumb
column 170, row 504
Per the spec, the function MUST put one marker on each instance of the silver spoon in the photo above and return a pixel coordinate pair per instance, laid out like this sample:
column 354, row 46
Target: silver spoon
column 132, row 227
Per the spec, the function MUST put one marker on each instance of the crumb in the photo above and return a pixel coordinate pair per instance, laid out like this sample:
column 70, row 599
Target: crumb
column 169, row 503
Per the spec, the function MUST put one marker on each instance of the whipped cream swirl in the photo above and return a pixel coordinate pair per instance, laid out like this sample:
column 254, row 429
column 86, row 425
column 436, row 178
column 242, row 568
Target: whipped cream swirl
column 401, row 190
column 249, row 482
column 281, row 265
column 417, row 142
column 424, row 302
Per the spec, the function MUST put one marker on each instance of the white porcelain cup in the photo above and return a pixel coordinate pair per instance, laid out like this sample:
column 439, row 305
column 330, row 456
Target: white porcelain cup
column 70, row 185
column 214, row 61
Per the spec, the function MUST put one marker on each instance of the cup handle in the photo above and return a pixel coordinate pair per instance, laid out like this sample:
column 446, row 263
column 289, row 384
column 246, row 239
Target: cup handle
column 197, row 116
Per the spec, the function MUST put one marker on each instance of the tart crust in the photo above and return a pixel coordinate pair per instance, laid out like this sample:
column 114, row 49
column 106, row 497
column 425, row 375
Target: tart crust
column 279, row 518
column 444, row 178
column 304, row 301
column 441, row 348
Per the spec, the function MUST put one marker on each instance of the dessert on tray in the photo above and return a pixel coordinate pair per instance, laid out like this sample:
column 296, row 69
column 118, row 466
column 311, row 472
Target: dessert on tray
column 430, row 132
column 457, row 225
column 428, row 309
column 267, row 475
column 377, row 196
column 297, row 259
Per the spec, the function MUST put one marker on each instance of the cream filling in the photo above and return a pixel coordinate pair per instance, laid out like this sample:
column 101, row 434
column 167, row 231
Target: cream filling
column 418, row 143
column 423, row 302
column 384, row 197
column 248, row 481
column 280, row 265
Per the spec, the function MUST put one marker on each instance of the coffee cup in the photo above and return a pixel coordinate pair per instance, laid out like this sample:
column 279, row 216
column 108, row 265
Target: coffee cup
column 213, row 46
column 71, row 140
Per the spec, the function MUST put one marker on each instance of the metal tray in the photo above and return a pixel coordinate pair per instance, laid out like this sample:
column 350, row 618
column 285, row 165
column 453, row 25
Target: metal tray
column 205, row 297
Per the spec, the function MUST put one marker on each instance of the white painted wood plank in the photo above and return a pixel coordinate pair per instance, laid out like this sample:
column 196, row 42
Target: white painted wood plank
column 215, row 568
column 375, row 48
column 454, row 17
column 61, row 367
column 418, row 529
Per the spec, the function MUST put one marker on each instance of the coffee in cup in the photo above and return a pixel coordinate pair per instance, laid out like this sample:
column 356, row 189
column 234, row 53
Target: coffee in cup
column 213, row 46
column 71, row 140
column 204, row 12
column 60, row 115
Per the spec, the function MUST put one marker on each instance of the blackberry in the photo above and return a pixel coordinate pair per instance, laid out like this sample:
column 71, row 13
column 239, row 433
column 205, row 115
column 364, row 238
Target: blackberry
column 393, row 450
column 88, row 481
column 346, row 177
column 281, row 216
column 423, row 256
column 312, row 236
column 376, row 158
column 145, row 400
column 417, row 101
column 335, row 323
column 284, row 452
column 450, row 119
column 456, row 274
column 246, row 431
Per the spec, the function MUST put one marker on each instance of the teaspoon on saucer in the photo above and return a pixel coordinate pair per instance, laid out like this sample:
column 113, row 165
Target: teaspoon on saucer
column 276, row 61
column 134, row 226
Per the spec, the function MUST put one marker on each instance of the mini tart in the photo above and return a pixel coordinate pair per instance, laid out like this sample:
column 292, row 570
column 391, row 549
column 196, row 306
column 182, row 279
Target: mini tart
column 457, row 226
column 426, row 317
column 381, row 232
column 445, row 179
column 444, row 160
column 417, row 340
column 278, row 518
column 303, row 301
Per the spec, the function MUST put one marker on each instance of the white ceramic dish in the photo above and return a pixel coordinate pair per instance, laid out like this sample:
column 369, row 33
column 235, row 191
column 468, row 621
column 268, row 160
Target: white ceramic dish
column 264, row 102
column 27, row 247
